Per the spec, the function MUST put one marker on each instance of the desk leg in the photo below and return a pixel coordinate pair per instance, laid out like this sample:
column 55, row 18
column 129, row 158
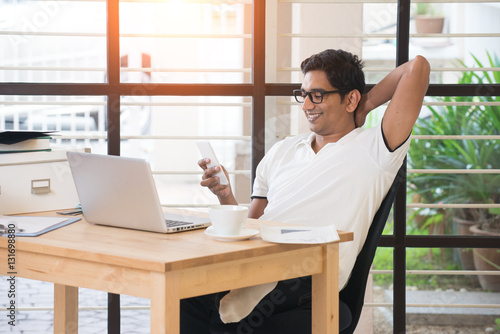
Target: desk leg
column 65, row 309
column 325, row 293
column 165, row 303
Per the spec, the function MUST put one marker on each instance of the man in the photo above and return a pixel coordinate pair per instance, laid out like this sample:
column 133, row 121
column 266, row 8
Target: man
column 338, row 174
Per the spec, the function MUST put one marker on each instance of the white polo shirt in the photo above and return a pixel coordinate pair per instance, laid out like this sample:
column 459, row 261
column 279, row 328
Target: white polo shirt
column 343, row 184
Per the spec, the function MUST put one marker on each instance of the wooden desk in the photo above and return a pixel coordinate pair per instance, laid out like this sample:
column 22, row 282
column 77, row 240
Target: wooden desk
column 168, row 267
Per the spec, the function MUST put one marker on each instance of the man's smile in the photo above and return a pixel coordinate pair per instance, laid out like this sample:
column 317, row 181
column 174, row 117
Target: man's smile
column 313, row 115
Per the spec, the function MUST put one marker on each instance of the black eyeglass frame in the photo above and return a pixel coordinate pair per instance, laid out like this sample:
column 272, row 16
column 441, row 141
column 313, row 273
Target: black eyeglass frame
column 299, row 93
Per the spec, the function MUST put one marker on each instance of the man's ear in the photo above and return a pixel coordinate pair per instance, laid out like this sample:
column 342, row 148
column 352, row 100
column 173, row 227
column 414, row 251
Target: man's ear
column 352, row 99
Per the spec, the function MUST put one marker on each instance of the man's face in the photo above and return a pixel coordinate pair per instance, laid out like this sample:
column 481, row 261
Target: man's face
column 328, row 117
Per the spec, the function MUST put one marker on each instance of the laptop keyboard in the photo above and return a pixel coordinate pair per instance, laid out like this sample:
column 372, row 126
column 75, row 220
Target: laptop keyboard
column 174, row 223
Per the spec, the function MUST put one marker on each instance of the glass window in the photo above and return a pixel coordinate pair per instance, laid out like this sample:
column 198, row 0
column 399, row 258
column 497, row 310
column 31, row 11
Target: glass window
column 164, row 130
column 453, row 36
column 296, row 30
column 454, row 168
column 184, row 45
column 78, row 121
column 184, row 42
column 53, row 41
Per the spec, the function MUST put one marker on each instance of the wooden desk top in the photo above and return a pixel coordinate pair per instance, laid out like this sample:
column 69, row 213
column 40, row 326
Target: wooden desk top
column 146, row 250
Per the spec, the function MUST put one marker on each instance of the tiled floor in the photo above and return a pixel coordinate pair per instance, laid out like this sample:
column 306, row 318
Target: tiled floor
column 40, row 295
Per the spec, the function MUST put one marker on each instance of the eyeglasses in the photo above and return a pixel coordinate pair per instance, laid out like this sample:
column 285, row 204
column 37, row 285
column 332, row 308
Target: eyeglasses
column 316, row 97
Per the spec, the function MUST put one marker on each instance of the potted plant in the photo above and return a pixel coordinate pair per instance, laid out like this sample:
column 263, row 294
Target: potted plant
column 487, row 258
column 467, row 188
column 427, row 21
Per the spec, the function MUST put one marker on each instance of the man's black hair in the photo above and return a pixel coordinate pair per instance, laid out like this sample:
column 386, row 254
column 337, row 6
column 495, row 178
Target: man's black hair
column 343, row 69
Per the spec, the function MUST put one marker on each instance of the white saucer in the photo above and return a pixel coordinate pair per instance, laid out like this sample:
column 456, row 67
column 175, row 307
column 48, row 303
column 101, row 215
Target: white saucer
column 246, row 233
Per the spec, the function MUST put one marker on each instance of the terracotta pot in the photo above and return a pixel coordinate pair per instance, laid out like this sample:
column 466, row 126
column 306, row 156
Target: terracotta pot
column 426, row 24
column 465, row 254
column 488, row 282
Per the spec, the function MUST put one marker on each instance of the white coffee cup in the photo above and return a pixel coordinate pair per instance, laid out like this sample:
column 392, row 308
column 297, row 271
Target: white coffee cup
column 228, row 219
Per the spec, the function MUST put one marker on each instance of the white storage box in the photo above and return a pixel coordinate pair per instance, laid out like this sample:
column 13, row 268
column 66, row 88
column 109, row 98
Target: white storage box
column 36, row 181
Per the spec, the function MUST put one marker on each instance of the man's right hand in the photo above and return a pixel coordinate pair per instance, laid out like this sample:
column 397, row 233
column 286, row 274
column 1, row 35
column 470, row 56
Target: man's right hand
column 212, row 182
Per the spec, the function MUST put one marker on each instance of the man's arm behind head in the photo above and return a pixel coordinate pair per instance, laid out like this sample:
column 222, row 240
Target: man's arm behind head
column 405, row 86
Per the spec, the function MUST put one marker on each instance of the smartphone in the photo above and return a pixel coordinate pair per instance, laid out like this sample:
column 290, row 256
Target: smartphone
column 207, row 151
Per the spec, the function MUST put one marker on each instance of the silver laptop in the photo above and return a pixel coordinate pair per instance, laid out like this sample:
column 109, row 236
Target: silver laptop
column 121, row 192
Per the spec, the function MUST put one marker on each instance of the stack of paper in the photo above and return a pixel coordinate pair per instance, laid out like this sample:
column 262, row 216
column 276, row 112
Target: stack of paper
column 24, row 141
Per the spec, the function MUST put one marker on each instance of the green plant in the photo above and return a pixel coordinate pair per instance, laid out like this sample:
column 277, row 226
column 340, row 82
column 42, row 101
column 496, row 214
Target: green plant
column 459, row 116
column 427, row 9
column 424, row 9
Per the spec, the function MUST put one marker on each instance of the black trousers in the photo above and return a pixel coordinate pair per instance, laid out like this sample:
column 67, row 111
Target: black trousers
column 286, row 309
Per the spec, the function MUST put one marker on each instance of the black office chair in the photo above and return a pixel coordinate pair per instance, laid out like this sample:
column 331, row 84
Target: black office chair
column 353, row 294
